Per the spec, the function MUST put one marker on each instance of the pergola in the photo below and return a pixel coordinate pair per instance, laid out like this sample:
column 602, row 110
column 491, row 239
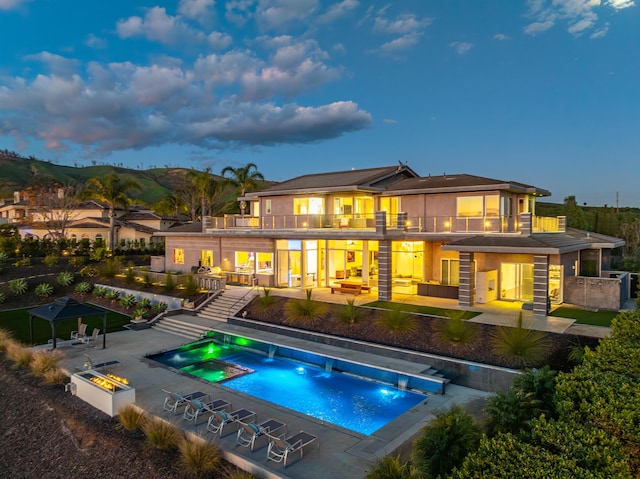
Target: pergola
column 66, row 308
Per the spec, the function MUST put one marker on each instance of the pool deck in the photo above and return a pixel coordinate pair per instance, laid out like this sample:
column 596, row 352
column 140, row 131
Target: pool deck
column 342, row 453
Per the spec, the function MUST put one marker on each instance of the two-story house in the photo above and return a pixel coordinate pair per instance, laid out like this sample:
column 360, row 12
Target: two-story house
column 466, row 237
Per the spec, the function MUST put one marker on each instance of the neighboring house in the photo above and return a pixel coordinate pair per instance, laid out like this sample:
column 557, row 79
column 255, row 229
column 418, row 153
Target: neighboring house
column 90, row 220
column 456, row 236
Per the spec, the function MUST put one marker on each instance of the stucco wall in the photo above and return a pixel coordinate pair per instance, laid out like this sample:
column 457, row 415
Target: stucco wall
column 593, row 293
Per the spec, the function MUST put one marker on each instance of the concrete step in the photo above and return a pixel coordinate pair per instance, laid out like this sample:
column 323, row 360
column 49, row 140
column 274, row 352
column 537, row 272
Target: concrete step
column 181, row 328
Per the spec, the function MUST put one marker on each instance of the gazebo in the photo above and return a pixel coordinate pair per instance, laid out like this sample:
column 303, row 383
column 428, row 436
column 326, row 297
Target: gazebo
column 66, row 308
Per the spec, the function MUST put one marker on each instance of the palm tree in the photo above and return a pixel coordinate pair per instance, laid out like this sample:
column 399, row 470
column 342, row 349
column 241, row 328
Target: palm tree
column 206, row 188
column 244, row 178
column 112, row 191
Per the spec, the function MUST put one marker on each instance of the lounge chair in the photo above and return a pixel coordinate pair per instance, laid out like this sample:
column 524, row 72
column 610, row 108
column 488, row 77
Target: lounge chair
column 229, row 421
column 195, row 408
column 81, row 333
column 251, row 435
column 281, row 447
column 174, row 400
column 93, row 337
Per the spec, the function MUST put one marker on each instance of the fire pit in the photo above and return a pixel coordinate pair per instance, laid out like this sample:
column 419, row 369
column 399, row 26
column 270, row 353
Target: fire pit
column 106, row 392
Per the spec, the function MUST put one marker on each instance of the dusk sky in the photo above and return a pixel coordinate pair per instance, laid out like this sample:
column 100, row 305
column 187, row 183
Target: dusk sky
column 544, row 92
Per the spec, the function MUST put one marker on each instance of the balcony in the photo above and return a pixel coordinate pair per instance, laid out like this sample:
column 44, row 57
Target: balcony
column 414, row 224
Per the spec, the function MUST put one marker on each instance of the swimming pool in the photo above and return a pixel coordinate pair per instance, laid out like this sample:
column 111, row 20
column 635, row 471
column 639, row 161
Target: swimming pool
column 351, row 402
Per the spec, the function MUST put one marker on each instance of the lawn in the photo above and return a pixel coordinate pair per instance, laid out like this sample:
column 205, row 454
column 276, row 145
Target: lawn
column 583, row 316
column 413, row 308
column 16, row 321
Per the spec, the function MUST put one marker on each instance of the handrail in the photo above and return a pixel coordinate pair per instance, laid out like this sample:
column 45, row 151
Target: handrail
column 241, row 298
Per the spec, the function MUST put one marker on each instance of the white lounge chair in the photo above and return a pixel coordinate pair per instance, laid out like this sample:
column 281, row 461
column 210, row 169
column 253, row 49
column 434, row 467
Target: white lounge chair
column 280, row 447
column 81, row 333
column 254, row 436
column 174, row 400
column 195, row 408
column 93, row 337
column 229, row 421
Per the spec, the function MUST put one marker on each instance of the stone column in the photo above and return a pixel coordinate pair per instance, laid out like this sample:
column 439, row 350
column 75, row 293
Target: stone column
column 384, row 270
column 467, row 286
column 540, row 285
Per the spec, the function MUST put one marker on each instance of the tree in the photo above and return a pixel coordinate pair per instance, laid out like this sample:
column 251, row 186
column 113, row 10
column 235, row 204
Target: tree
column 112, row 191
column 206, row 189
column 244, row 178
column 574, row 213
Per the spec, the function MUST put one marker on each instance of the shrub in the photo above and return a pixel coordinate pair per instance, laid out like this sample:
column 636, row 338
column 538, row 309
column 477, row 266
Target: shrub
column 44, row 290
column 3, row 256
column 128, row 301
column 266, row 300
column 110, row 268
column 147, row 282
column 112, row 294
column 191, row 287
column 51, row 259
column 76, row 261
column 161, row 434
column 455, row 330
column 144, row 303
column 520, row 346
column 131, row 417
column 350, row 313
column 23, row 262
column 90, row 271
column 18, row 286
column 158, row 308
column 54, row 376
column 130, row 275
column 65, row 278
column 199, row 456
column 139, row 313
column 19, row 354
column 397, row 321
column 169, row 284
column 43, row 361
column 84, row 287
column 390, row 467
column 304, row 310
column 3, row 297
column 5, row 338
column 100, row 291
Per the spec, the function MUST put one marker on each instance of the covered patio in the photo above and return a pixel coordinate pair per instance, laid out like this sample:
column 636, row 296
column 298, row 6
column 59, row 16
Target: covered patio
column 63, row 309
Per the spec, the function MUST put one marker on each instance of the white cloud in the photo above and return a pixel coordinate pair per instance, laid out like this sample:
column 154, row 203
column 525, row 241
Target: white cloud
column 407, row 29
column 580, row 16
column 58, row 65
column 461, row 47
column 219, row 41
column 239, row 11
column 402, row 24
column 93, row 41
column 501, row 37
column 338, row 10
column 160, row 27
column 400, row 44
column 195, row 8
column 11, row 4
column 281, row 14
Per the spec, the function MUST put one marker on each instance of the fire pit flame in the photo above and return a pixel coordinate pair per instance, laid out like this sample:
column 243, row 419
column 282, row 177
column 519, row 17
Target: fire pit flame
column 104, row 383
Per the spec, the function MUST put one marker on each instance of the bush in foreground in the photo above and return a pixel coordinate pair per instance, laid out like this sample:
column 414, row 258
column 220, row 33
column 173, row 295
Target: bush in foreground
column 199, row 456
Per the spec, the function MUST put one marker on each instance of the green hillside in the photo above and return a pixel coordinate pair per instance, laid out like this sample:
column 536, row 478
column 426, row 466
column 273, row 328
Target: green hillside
column 16, row 173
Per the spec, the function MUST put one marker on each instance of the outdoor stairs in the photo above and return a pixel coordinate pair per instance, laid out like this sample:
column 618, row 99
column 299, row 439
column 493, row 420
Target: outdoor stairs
column 225, row 306
column 180, row 327
column 219, row 309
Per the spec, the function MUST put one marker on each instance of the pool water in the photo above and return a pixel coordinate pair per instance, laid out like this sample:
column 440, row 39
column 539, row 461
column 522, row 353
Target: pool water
column 350, row 402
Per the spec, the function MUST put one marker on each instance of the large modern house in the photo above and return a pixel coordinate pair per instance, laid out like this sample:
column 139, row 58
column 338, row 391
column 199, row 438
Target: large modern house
column 388, row 230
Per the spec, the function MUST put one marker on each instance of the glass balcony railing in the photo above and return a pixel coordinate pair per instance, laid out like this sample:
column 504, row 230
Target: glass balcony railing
column 416, row 224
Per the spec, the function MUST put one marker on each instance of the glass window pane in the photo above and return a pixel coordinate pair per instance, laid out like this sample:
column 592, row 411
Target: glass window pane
column 470, row 206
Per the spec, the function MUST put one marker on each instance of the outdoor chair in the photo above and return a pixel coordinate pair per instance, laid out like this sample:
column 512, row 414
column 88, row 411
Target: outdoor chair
column 280, row 447
column 93, row 337
column 81, row 333
column 195, row 408
column 220, row 420
column 174, row 400
column 251, row 435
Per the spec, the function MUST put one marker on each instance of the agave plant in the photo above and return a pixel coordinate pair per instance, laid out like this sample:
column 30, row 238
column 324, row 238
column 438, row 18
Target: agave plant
column 65, row 278
column 144, row 303
column 139, row 313
column 112, row 294
column 128, row 301
column 158, row 308
column 44, row 290
column 18, row 286
column 99, row 291
column 84, row 287
column 3, row 298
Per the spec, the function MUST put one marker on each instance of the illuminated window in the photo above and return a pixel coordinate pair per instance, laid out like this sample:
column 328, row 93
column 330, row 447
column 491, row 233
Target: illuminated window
column 267, row 207
column 492, row 205
column 470, row 206
column 265, row 263
column 178, row 256
column 450, row 269
column 308, row 206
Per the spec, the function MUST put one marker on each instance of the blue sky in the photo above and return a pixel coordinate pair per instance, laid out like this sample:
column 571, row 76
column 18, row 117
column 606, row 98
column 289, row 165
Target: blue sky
column 545, row 92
